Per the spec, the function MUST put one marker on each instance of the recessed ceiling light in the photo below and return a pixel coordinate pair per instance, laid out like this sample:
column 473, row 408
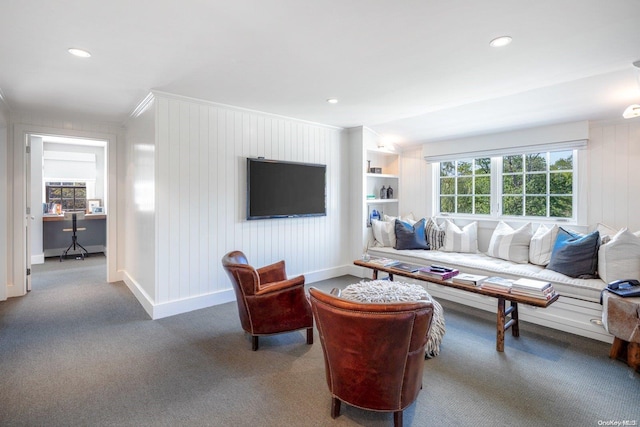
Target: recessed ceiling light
column 500, row 41
column 332, row 101
column 81, row 53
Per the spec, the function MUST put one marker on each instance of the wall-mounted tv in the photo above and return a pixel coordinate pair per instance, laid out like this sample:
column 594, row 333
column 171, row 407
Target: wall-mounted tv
column 278, row 189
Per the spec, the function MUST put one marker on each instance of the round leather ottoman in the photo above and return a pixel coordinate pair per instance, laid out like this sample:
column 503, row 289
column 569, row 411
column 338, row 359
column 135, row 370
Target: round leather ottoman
column 621, row 318
column 387, row 291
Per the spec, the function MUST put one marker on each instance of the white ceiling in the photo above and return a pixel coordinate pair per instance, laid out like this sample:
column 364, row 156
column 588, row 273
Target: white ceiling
column 411, row 70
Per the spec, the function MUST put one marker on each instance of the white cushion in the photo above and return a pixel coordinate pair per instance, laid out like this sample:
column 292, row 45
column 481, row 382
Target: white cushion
column 606, row 232
column 620, row 257
column 384, row 233
column 409, row 218
column 512, row 245
column 460, row 240
column 541, row 245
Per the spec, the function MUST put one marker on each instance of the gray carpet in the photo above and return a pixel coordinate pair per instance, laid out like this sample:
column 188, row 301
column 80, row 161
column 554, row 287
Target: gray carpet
column 78, row 351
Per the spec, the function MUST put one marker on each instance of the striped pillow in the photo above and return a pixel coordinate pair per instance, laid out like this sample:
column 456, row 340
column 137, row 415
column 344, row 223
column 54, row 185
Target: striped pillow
column 384, row 233
column 435, row 234
column 541, row 245
column 512, row 245
column 460, row 240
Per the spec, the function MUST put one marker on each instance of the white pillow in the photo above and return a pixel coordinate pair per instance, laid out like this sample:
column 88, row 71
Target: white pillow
column 409, row 218
column 542, row 243
column 620, row 257
column 384, row 233
column 512, row 245
column 606, row 232
column 463, row 240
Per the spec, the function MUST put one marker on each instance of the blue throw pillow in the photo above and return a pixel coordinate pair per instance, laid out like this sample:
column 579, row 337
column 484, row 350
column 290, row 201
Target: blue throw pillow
column 411, row 236
column 575, row 255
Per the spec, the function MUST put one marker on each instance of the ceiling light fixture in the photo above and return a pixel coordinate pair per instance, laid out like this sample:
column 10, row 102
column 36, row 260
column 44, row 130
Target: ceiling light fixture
column 633, row 110
column 80, row 53
column 500, row 41
column 332, row 101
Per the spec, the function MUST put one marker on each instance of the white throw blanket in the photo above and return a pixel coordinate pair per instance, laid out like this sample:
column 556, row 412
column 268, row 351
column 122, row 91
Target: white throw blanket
column 386, row 291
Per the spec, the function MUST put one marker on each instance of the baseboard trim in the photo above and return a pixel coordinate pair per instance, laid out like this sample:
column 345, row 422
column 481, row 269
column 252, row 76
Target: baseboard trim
column 172, row 308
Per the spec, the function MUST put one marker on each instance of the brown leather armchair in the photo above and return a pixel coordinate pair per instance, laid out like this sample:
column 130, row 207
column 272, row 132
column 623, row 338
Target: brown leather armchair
column 268, row 302
column 373, row 353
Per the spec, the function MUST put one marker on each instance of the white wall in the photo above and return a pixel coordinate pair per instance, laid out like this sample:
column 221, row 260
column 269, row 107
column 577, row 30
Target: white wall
column 614, row 181
column 137, row 239
column 200, row 179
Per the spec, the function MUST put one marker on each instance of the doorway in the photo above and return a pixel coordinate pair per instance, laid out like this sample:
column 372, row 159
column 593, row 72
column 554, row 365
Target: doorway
column 29, row 211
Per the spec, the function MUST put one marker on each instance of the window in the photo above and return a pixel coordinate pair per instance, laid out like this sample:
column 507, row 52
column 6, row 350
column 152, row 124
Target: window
column 465, row 186
column 72, row 196
column 537, row 184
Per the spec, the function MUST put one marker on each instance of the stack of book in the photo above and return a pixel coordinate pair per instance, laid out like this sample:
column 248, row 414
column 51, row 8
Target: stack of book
column 384, row 262
column 469, row 279
column 533, row 288
column 439, row 272
column 498, row 284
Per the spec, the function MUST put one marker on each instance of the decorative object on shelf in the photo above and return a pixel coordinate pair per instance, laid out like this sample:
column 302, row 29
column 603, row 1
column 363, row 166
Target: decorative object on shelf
column 389, row 192
column 371, row 196
column 374, row 215
column 376, row 170
column 383, row 192
column 368, row 166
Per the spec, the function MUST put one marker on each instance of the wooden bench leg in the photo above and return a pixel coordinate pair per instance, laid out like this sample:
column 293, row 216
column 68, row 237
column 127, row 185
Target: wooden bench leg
column 502, row 324
column 628, row 352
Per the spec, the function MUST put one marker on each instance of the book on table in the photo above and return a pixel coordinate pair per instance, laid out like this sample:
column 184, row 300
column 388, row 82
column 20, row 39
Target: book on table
column 469, row 279
column 546, row 295
column 533, row 288
column 527, row 284
column 496, row 283
column 405, row 266
column 439, row 273
column 384, row 262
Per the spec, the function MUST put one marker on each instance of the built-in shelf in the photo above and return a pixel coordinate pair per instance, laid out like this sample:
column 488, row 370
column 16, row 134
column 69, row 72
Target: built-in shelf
column 381, row 175
column 376, row 201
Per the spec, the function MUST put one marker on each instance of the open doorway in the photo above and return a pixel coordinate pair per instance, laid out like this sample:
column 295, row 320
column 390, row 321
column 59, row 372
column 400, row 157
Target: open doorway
column 23, row 214
column 69, row 201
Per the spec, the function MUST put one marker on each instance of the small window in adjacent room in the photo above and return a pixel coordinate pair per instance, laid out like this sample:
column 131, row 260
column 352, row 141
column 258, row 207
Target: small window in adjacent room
column 72, row 196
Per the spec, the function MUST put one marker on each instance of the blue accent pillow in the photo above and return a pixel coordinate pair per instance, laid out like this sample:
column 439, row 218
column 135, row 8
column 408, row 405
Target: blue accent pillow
column 575, row 255
column 411, row 236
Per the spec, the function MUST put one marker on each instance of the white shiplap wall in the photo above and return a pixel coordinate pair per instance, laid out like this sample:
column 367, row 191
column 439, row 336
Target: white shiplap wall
column 614, row 181
column 201, row 151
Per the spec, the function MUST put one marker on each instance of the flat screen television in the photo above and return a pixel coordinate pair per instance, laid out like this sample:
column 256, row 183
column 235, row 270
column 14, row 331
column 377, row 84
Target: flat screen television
column 278, row 189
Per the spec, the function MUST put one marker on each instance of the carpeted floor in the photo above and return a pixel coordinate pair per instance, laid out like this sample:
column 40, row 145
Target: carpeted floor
column 77, row 351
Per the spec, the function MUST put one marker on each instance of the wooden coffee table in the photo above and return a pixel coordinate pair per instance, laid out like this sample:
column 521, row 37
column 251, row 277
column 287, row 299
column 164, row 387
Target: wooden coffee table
column 502, row 324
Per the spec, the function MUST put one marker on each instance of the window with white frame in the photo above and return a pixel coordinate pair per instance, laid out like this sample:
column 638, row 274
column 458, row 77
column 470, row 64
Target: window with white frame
column 537, row 185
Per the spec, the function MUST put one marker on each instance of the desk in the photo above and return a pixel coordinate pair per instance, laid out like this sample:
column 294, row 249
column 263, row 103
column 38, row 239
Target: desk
column 55, row 240
column 501, row 322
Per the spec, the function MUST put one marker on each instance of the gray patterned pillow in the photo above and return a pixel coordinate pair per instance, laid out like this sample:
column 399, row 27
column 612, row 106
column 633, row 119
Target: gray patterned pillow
column 435, row 234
